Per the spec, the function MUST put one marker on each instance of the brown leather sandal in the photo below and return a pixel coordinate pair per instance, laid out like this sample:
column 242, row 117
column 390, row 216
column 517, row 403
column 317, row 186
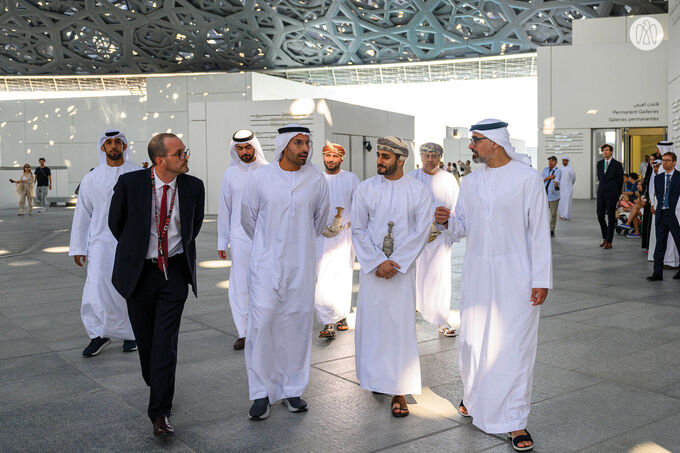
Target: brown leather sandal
column 399, row 407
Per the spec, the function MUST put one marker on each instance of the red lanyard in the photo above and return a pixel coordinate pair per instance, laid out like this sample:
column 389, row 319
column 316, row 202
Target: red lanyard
column 164, row 231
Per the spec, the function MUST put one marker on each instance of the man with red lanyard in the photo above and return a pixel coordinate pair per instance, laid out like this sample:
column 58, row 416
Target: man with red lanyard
column 156, row 215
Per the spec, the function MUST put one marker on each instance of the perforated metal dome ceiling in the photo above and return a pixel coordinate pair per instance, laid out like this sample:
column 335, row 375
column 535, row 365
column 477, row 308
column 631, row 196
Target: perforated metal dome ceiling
column 131, row 36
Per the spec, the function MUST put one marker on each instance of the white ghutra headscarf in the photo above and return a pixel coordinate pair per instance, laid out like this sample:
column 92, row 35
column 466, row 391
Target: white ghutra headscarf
column 112, row 134
column 497, row 131
column 242, row 137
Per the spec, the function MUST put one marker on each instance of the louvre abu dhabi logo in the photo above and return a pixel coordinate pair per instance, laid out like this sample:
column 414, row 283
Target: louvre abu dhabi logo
column 646, row 33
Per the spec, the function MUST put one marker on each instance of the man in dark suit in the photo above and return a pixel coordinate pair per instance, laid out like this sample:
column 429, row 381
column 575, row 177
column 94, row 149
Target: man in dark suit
column 610, row 177
column 667, row 192
column 155, row 215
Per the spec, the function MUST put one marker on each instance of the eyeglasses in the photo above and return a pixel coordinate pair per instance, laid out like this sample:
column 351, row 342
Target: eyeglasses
column 666, row 160
column 474, row 140
column 184, row 154
column 27, row 166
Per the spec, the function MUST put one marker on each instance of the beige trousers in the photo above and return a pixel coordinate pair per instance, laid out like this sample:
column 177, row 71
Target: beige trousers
column 552, row 205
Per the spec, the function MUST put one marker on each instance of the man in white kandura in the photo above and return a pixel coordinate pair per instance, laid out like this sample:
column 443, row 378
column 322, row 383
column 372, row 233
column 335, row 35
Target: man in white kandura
column 246, row 155
column 433, row 267
column 103, row 310
column 334, row 252
column 391, row 219
column 566, row 189
column 284, row 209
column 507, row 270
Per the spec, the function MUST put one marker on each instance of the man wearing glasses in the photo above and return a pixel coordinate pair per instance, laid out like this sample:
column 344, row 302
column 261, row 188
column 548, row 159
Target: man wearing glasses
column 667, row 191
column 155, row 215
column 502, row 210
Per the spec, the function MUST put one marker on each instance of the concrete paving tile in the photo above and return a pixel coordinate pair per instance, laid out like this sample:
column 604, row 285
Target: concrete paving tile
column 551, row 381
column 585, row 417
column 659, row 436
column 110, row 426
column 109, row 362
column 574, row 303
column 580, row 352
column 335, row 418
column 21, row 347
column 649, row 317
column 459, row 438
column 38, row 309
column 652, row 369
column 56, row 386
column 18, row 368
column 554, row 328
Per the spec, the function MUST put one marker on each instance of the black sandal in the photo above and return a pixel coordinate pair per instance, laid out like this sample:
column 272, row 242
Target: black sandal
column 521, row 438
column 461, row 412
column 327, row 332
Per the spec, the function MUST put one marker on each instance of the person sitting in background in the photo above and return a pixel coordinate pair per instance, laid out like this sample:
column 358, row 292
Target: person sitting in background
column 630, row 187
column 633, row 211
column 24, row 189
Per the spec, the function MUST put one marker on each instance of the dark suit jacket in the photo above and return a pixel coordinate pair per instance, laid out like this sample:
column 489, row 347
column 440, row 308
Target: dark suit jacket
column 660, row 188
column 130, row 223
column 611, row 182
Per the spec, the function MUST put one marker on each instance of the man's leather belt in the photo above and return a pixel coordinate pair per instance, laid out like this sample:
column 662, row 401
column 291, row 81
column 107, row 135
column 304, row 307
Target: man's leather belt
column 172, row 259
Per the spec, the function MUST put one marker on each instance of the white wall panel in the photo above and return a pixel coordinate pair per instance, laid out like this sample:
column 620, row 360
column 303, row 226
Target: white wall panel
column 217, row 83
column 12, row 111
column 48, row 120
column 13, row 145
column 166, row 94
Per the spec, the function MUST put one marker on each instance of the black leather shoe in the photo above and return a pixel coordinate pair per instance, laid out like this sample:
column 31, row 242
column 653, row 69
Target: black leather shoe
column 240, row 343
column 162, row 427
column 655, row 277
column 677, row 276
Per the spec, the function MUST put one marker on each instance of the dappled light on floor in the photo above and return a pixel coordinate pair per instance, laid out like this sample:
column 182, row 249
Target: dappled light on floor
column 224, row 284
column 23, row 263
column 61, row 249
column 432, row 406
column 649, row 447
column 214, row 264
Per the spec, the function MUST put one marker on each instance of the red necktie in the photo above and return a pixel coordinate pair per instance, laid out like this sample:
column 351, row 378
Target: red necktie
column 163, row 233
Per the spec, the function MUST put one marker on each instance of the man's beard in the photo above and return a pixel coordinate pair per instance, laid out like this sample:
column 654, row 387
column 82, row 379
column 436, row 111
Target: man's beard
column 247, row 158
column 117, row 156
column 389, row 171
column 476, row 158
column 332, row 167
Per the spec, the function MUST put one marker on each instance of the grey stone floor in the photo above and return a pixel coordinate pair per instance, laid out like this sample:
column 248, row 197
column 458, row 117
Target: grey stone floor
column 607, row 377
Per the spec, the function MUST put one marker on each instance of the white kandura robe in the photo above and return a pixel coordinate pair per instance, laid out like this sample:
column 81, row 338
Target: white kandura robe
column 566, row 192
column 230, row 232
column 433, row 266
column 503, row 212
column 335, row 256
column 103, row 310
column 671, row 258
column 283, row 212
column 385, row 338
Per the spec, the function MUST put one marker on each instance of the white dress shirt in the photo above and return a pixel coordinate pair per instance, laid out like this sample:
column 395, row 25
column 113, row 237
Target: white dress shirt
column 174, row 230
column 664, row 184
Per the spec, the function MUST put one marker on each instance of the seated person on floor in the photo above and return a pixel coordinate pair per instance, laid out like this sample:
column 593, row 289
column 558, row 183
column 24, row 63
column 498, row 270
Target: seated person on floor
column 633, row 211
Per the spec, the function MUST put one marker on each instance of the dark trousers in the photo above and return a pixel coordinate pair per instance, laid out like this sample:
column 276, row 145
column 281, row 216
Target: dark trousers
column 155, row 310
column 666, row 223
column 607, row 206
column 646, row 225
